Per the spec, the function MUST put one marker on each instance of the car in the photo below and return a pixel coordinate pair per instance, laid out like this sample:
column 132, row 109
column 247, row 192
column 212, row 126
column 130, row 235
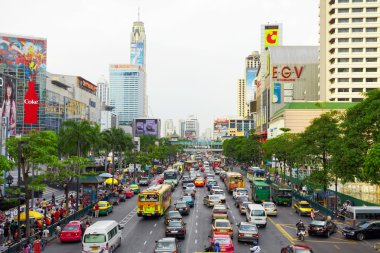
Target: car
column 322, row 227
column 214, row 187
column 202, row 169
column 303, row 208
column 222, row 226
column 160, row 178
column 193, row 176
column 240, row 199
column 247, row 232
column 270, row 208
column 211, row 200
column 190, row 186
column 176, row 228
column 243, row 206
column 219, row 192
column 128, row 192
column 217, row 171
column 105, row 208
column 238, row 192
column 189, row 192
column 144, row 181
column 172, row 215
column 296, row 248
column 199, row 182
column 362, row 230
column 167, row 245
column 219, row 212
column 189, row 200
column 210, row 183
column 198, row 174
column 182, row 207
column 72, row 232
column 223, row 175
column 185, row 181
column 135, row 188
column 208, row 175
column 225, row 243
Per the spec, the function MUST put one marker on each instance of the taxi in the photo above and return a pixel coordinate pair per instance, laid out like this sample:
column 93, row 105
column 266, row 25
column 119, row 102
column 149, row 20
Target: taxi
column 128, row 192
column 72, row 232
column 225, row 242
column 199, row 182
column 222, row 226
column 104, row 207
column 303, row 208
column 135, row 188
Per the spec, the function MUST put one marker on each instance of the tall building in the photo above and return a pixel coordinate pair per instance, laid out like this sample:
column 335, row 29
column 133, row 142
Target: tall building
column 138, row 44
column 349, row 49
column 127, row 92
column 252, row 65
column 207, row 135
column 103, row 90
column 241, row 98
column 181, row 128
column 168, row 128
column 192, row 128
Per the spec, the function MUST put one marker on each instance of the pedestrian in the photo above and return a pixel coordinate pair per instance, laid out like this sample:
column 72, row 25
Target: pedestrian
column 37, row 245
column 217, row 247
column 312, row 214
column 2, row 237
column 53, row 199
column 45, row 237
column 26, row 248
column 96, row 210
column 58, row 231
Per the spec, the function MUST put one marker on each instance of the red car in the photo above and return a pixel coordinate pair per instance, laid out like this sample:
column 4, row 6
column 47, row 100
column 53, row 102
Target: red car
column 297, row 249
column 202, row 169
column 225, row 243
column 199, row 182
column 128, row 193
column 72, row 232
column 160, row 178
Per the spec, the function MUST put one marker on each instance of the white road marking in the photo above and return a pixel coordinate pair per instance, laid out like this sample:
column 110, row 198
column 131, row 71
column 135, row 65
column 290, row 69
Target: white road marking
column 155, row 225
column 196, row 223
column 196, row 231
column 151, row 232
column 145, row 242
column 196, row 241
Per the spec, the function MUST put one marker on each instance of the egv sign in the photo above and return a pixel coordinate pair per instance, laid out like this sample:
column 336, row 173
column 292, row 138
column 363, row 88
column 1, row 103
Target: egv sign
column 286, row 73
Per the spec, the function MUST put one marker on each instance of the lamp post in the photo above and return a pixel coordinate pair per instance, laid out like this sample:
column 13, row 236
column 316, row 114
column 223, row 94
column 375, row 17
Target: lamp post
column 9, row 180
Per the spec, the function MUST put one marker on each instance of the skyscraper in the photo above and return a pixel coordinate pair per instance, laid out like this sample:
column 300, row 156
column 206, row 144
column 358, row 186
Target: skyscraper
column 241, row 98
column 192, row 128
column 103, row 90
column 349, row 49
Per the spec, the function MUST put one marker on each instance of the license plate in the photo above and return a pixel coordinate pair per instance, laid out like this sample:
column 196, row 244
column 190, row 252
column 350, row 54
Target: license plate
column 223, row 249
column 174, row 231
column 222, row 230
column 248, row 235
column 68, row 234
column 148, row 214
column 180, row 209
column 94, row 248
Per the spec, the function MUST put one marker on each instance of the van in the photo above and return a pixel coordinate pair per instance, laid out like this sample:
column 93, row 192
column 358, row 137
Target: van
column 256, row 215
column 103, row 236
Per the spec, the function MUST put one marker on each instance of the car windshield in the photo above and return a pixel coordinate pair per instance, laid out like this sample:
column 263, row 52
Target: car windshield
column 242, row 191
column 363, row 224
column 245, row 204
column 94, row 238
column 165, row 246
column 187, row 198
column 218, row 192
column 102, row 204
column 190, row 185
column 223, row 241
column 304, row 206
column 211, row 182
column 318, row 223
column 257, row 213
column 148, row 197
column 214, row 197
column 174, row 214
column 180, row 205
column 269, row 205
column 303, row 251
column 175, row 224
column 249, row 228
column 242, row 198
column 222, row 224
column 71, row 228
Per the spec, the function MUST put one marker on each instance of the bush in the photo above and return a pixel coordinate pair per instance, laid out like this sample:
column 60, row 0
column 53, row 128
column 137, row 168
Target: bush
column 6, row 204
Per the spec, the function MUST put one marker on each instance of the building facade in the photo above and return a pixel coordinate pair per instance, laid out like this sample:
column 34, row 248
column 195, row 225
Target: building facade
column 252, row 65
column 349, row 49
column 103, row 90
column 192, row 128
column 225, row 128
column 108, row 120
column 241, row 98
column 127, row 92
column 168, row 128
column 181, row 128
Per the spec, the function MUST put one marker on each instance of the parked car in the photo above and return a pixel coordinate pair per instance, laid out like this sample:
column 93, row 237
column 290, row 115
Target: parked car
column 172, row 215
column 166, row 245
column 296, row 249
column 321, row 227
column 219, row 212
column 104, row 207
column 182, row 207
column 363, row 230
column 247, row 232
column 176, row 228
column 128, row 192
column 270, row 208
column 72, row 232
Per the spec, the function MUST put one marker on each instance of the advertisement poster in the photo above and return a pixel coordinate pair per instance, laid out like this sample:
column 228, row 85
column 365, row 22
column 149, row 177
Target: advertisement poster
column 250, row 76
column 277, row 93
column 271, row 36
column 146, row 127
column 137, row 53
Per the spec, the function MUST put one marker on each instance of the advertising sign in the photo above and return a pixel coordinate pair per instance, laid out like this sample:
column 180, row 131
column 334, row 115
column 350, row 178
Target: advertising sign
column 287, row 73
column 271, row 36
column 137, row 53
column 8, row 102
column 146, row 127
column 277, row 93
column 250, row 76
column 86, row 85
column 190, row 134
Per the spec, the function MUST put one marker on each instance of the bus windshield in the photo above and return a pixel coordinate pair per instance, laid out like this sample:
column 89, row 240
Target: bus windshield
column 236, row 179
column 170, row 175
column 148, row 197
column 285, row 193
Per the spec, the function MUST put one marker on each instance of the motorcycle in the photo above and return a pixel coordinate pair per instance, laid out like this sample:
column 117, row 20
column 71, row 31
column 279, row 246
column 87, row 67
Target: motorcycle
column 301, row 234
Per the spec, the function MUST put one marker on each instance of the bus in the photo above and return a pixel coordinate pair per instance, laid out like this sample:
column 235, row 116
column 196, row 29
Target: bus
column 189, row 164
column 179, row 167
column 281, row 194
column 234, row 180
column 171, row 176
column 154, row 201
column 255, row 174
column 260, row 192
column 355, row 214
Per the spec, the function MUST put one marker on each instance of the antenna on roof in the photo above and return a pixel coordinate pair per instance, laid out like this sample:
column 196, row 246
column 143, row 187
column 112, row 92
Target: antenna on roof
column 138, row 14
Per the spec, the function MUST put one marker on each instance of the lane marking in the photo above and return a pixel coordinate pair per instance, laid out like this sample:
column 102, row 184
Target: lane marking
column 336, row 247
column 151, row 232
column 196, row 231
column 196, row 223
column 145, row 242
column 155, row 225
column 196, row 241
column 282, row 231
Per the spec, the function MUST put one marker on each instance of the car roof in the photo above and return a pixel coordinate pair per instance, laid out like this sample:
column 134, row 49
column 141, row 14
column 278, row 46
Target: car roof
column 167, row 239
column 173, row 212
column 268, row 203
column 220, row 206
column 102, row 202
column 246, row 223
column 299, row 246
column 303, row 202
column 222, row 220
column 74, row 222
column 218, row 235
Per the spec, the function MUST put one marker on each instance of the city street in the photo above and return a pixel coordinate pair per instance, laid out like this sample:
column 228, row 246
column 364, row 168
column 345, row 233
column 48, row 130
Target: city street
column 140, row 234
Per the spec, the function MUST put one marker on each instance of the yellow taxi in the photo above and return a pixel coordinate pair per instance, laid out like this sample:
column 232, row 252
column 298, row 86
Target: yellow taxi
column 199, row 182
column 135, row 188
column 222, row 226
column 303, row 208
column 104, row 207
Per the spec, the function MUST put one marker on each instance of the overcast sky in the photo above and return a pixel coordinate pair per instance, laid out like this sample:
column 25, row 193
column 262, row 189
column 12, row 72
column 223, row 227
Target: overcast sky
column 195, row 48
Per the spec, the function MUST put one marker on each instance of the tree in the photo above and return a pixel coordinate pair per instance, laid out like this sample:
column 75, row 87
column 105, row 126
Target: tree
column 35, row 149
column 5, row 166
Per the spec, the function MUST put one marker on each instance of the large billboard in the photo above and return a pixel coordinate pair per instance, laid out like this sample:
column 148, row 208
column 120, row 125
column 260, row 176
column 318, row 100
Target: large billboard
column 250, row 76
column 146, row 127
column 271, row 35
column 137, row 53
column 221, row 128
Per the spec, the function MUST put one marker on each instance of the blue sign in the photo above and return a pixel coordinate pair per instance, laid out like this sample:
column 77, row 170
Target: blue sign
column 277, row 93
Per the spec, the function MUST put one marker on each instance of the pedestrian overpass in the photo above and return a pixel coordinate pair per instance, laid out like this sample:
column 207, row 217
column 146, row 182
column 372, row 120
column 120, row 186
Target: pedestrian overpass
column 199, row 146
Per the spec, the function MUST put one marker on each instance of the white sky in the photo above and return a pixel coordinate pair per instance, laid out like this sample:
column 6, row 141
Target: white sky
column 195, row 48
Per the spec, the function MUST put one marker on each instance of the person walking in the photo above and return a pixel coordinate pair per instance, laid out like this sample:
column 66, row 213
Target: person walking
column 312, row 214
column 96, row 210
column 45, row 237
column 26, row 248
column 37, row 245
column 53, row 199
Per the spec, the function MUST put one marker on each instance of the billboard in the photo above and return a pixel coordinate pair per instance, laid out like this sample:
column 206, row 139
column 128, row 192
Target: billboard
column 146, row 127
column 8, row 104
column 137, row 53
column 271, row 36
column 250, row 76
column 277, row 93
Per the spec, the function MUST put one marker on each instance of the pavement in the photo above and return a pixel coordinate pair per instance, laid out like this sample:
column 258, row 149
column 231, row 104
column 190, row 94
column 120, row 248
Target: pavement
column 140, row 234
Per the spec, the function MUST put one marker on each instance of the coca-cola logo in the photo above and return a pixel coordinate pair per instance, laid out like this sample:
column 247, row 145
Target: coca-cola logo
column 31, row 102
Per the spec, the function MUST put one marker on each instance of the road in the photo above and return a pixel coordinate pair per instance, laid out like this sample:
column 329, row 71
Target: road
column 140, row 234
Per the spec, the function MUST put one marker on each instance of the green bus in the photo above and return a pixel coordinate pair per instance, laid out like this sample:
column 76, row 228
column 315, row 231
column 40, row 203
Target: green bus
column 281, row 194
column 260, row 192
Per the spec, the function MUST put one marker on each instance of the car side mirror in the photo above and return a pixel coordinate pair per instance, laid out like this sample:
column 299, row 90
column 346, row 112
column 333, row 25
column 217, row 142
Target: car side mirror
column 121, row 226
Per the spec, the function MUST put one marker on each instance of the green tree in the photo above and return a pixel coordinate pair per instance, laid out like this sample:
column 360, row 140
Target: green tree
column 5, row 166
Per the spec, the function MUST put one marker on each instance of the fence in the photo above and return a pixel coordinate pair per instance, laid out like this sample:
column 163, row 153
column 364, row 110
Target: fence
column 18, row 246
column 322, row 210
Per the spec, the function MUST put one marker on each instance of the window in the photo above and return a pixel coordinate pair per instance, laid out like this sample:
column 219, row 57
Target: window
column 341, row 70
column 371, row 1
column 357, row 80
column 343, row 30
column 357, row 59
column 371, row 59
column 371, row 19
column 357, row 1
column 357, row 99
column 371, row 29
column 343, row 99
column 357, row 10
column 343, row 59
column 342, row 1
column 371, row 80
column 343, row 90
column 357, row 89
column 343, row 10
column 343, row 50
column 342, row 80
column 371, row 49
column 342, row 40
column 371, row 70
column 357, row 50
column 357, row 40
column 357, row 30
column 357, row 20
column 343, row 20
column 372, row 9
column 357, row 70
column 371, row 40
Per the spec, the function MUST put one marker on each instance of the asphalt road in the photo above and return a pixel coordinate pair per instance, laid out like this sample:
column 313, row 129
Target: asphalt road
column 140, row 234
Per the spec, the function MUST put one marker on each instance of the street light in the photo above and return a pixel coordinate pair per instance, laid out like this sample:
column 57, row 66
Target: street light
column 9, row 180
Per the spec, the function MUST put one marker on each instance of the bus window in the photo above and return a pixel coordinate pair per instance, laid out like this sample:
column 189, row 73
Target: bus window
column 148, row 197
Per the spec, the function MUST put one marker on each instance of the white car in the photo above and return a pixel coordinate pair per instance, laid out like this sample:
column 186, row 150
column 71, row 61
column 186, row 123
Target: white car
column 190, row 186
column 220, row 193
column 270, row 208
column 239, row 192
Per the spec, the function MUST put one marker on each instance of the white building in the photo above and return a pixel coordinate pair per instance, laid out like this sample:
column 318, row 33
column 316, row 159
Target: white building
column 192, row 128
column 349, row 49
column 108, row 119
column 181, row 128
column 103, row 91
column 241, row 98
column 168, row 128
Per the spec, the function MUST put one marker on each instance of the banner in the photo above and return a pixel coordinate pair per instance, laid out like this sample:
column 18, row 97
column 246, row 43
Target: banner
column 277, row 93
column 137, row 53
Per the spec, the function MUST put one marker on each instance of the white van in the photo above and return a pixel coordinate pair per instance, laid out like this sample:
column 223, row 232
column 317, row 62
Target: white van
column 256, row 215
column 103, row 236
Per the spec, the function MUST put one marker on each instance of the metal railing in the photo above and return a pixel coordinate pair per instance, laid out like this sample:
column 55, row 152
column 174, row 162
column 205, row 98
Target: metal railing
column 322, row 210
